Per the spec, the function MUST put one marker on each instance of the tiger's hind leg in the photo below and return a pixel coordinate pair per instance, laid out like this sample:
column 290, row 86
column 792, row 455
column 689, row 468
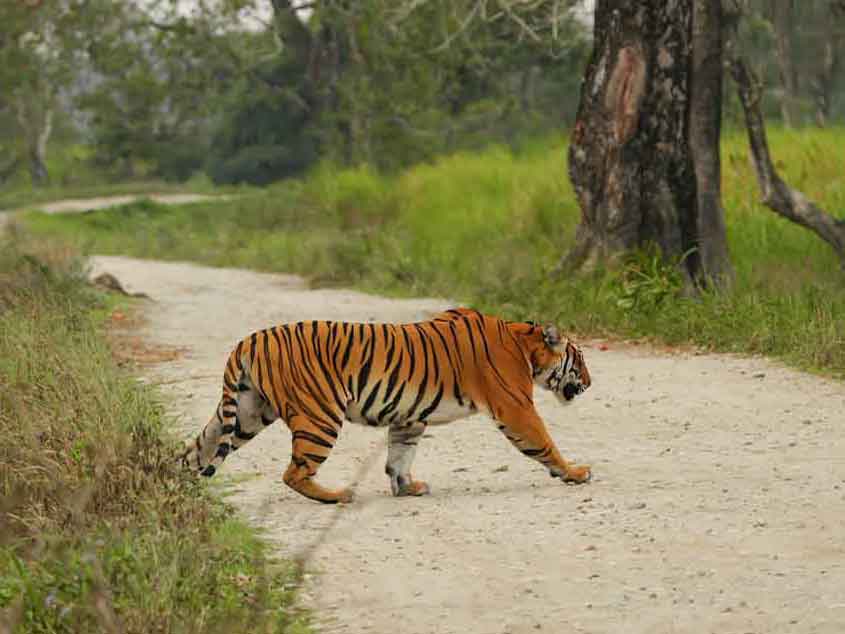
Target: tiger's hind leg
column 402, row 446
column 312, row 442
column 239, row 417
column 527, row 432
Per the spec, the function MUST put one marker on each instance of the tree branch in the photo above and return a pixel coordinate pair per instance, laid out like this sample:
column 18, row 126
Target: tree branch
column 777, row 195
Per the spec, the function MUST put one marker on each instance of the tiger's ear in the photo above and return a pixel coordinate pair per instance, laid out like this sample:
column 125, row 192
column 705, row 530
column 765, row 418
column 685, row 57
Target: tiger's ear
column 551, row 336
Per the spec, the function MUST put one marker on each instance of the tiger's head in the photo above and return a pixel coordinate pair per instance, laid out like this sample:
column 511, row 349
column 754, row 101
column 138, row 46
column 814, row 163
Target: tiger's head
column 558, row 365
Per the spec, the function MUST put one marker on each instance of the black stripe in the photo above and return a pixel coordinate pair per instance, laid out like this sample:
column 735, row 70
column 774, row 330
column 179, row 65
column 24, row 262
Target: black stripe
column 364, row 374
column 238, row 352
column 392, row 405
column 268, row 360
column 391, row 381
column 504, row 384
column 370, row 399
column 312, row 438
column 428, row 410
column 532, row 452
column 313, row 386
column 329, row 379
column 430, row 344
column 468, row 324
column 241, row 434
column 278, row 404
column 391, row 348
column 454, row 331
column 315, row 457
column 409, row 346
column 424, row 381
column 252, row 339
column 346, row 352
column 326, row 429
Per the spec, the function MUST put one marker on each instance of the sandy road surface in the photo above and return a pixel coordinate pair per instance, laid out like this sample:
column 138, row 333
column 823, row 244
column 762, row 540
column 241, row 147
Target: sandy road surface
column 717, row 505
column 77, row 205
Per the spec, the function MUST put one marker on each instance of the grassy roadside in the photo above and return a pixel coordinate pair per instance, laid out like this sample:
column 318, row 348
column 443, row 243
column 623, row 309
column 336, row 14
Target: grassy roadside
column 485, row 229
column 100, row 531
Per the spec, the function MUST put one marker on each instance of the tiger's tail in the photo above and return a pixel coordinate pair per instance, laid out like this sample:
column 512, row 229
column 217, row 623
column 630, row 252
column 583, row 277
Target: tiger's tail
column 209, row 449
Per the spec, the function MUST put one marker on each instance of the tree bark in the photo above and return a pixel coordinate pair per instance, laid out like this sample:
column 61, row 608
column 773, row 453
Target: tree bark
column 777, row 195
column 783, row 19
column 831, row 62
column 36, row 121
column 705, row 131
column 631, row 157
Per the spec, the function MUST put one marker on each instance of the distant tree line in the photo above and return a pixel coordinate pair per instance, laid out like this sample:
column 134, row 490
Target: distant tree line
column 155, row 92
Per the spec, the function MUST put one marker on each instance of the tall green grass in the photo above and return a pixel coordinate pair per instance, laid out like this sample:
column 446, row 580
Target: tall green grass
column 100, row 530
column 486, row 228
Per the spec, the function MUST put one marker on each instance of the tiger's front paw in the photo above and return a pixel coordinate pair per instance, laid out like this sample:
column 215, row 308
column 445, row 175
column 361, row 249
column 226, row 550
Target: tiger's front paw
column 574, row 474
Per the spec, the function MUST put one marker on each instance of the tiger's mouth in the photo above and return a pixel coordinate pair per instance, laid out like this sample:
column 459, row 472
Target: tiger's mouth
column 571, row 390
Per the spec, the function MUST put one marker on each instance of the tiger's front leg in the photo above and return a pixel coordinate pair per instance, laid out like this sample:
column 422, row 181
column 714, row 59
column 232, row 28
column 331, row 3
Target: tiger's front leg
column 527, row 432
column 312, row 443
column 402, row 446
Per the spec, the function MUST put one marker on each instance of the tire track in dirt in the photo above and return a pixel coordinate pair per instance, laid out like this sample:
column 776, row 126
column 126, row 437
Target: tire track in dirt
column 718, row 502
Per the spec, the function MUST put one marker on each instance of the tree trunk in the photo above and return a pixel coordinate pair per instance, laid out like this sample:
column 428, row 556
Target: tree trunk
column 831, row 63
column 36, row 121
column 777, row 195
column 632, row 158
column 783, row 19
column 705, row 130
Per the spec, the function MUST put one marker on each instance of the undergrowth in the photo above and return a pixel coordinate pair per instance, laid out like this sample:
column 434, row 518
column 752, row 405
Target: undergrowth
column 100, row 530
column 487, row 228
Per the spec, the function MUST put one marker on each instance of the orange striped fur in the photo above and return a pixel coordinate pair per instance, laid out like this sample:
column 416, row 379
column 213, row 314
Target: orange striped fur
column 316, row 375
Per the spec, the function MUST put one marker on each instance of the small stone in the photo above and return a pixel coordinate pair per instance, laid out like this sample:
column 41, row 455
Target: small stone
column 759, row 375
column 637, row 506
column 590, row 547
column 501, row 469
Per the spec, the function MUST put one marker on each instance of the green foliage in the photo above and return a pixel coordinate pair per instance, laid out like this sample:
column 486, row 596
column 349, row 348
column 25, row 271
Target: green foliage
column 100, row 529
column 645, row 281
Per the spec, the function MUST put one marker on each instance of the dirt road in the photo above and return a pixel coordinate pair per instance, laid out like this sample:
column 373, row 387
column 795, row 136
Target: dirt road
column 77, row 205
column 717, row 505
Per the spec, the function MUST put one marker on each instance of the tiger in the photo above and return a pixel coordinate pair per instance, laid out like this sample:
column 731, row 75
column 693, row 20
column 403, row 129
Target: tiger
column 314, row 375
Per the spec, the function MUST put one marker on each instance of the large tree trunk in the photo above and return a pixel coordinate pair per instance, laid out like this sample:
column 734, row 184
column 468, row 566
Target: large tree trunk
column 631, row 158
column 783, row 19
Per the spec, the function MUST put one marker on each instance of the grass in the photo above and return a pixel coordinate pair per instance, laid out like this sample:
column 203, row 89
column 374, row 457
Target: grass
column 486, row 228
column 100, row 530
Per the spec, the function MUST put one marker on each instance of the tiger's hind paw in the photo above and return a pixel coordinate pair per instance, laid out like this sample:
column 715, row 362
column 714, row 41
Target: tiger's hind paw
column 413, row 488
